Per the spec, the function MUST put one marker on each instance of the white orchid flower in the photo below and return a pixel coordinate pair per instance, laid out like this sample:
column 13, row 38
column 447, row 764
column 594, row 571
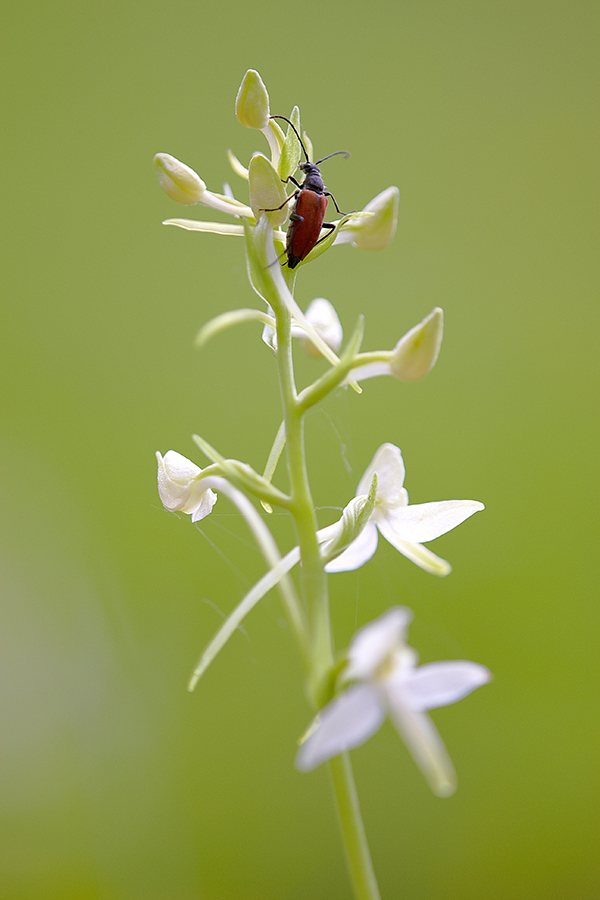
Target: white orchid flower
column 179, row 488
column 389, row 683
column 322, row 316
column 405, row 526
column 324, row 319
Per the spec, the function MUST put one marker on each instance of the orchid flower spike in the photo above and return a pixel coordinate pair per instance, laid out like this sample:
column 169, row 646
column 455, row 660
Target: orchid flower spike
column 389, row 683
column 404, row 526
column 180, row 488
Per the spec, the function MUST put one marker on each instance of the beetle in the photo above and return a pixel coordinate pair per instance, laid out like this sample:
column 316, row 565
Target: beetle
column 308, row 214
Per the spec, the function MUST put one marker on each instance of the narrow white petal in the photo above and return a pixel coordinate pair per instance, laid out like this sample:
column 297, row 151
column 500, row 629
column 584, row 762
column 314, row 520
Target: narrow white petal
column 374, row 642
column 369, row 370
column 422, row 522
column 358, row 553
column 441, row 683
column 345, row 723
column 209, row 227
column 424, row 744
column 389, row 465
column 418, row 554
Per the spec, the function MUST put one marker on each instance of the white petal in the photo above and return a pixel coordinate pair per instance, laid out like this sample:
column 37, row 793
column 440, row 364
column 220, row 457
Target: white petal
column 376, row 641
column 424, row 744
column 418, row 554
column 421, row 522
column 179, row 468
column 322, row 316
column 346, row 722
column 369, row 370
column 389, row 466
column 202, row 505
column 179, row 489
column 175, row 479
column 358, row 553
column 441, row 683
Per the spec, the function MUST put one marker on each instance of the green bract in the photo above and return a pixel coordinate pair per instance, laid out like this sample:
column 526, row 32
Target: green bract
column 291, row 152
column 267, row 193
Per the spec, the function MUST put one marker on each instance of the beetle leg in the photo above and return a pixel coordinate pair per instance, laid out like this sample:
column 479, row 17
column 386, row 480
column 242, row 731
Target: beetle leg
column 325, row 225
column 327, row 194
column 287, row 200
column 292, row 179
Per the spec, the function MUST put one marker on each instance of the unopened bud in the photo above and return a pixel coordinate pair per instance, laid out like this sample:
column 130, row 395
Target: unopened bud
column 376, row 231
column 177, row 180
column 252, row 101
column 415, row 353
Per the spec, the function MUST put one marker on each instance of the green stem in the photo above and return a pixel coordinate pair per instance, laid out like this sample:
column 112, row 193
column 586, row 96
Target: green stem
column 358, row 857
column 313, row 577
column 312, row 572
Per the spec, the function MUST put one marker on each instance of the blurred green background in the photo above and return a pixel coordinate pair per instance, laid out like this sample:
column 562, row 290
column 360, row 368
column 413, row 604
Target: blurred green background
column 115, row 783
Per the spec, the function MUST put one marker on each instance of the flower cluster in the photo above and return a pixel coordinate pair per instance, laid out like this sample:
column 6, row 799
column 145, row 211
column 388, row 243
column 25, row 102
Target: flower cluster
column 379, row 676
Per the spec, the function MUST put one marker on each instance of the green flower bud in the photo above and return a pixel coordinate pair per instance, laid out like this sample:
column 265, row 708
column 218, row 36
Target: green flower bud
column 415, row 353
column 177, row 180
column 252, row 101
column 377, row 230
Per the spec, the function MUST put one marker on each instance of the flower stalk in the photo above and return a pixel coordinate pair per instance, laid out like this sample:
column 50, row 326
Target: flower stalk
column 378, row 675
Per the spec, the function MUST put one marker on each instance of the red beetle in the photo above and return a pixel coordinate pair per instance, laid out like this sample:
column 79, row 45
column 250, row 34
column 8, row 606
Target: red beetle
column 306, row 218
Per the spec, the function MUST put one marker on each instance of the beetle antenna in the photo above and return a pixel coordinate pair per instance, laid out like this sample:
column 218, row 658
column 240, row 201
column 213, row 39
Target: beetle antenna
column 295, row 130
column 344, row 153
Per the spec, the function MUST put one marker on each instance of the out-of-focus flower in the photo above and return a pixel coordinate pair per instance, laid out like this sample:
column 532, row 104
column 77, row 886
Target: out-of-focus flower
column 324, row 319
column 376, row 230
column 322, row 316
column 389, row 683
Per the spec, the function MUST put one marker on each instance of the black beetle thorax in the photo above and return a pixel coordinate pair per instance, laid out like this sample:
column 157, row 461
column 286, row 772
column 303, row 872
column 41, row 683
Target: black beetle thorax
column 313, row 180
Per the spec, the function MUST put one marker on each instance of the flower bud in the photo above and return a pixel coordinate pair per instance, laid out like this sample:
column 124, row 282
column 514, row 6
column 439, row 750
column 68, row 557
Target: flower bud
column 324, row 319
column 376, row 231
column 177, row 180
column 415, row 353
column 252, row 101
column 179, row 488
column 266, row 190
